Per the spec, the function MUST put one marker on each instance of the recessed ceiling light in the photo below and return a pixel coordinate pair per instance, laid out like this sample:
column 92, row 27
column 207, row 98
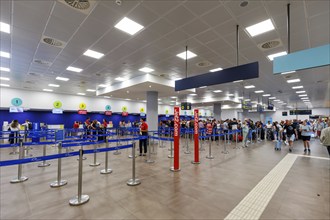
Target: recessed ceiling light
column 47, row 90
column 5, row 27
column 284, row 73
column 159, row 99
column 53, row 85
column 62, row 78
column 93, row 54
column 260, row 28
column 79, row 93
column 249, row 87
column 230, row 94
column 173, row 101
column 202, row 87
column 90, row 90
column 266, row 95
column 102, row 85
column 107, row 97
column 302, row 95
column 216, row 69
column 217, row 91
column 4, row 78
column 259, row 91
column 293, row 80
column 277, row 100
column 272, row 98
column 4, row 85
column 4, row 54
column 173, row 97
column 189, row 55
column 272, row 56
column 127, row 99
column 300, row 92
column 305, row 98
column 120, row 79
column 237, row 81
column 5, row 69
column 146, row 70
column 193, row 94
column 129, row 26
column 297, row 87
column 247, row 100
column 74, row 69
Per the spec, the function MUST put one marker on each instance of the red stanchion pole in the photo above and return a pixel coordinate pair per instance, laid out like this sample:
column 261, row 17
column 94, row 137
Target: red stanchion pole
column 176, row 137
column 196, row 130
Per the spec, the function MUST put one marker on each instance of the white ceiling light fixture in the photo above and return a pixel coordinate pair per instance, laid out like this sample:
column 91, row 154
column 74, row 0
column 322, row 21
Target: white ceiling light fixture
column 102, row 85
column 305, row 98
column 80, row 93
column 230, row 94
column 202, row 87
column 189, row 55
column 4, row 78
column 4, row 54
column 260, row 28
column 90, row 90
column 54, row 85
column 5, row 69
column 47, row 90
column 4, row 85
column 120, row 79
column 293, row 80
column 284, row 73
column 146, row 70
column 62, row 78
column 216, row 69
column 4, row 27
column 303, row 95
column 127, row 99
column 266, row 95
column 277, row 100
column 297, row 87
column 272, row 97
column 300, row 92
column 247, row 100
column 272, row 56
column 74, row 69
column 93, row 54
column 237, row 81
column 249, row 87
column 173, row 97
column 193, row 94
column 217, row 91
column 259, row 91
column 129, row 26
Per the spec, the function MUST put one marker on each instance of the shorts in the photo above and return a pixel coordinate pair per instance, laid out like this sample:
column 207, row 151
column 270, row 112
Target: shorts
column 306, row 138
column 291, row 138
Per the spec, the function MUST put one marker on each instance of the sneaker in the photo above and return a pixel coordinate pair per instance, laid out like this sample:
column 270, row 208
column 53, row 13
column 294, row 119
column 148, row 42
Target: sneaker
column 290, row 150
column 305, row 150
column 144, row 154
column 140, row 155
column 309, row 150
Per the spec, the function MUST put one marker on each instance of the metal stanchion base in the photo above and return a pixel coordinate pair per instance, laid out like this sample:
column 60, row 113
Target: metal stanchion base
column 84, row 158
column 154, row 153
column 76, row 201
column 44, row 164
column 95, row 164
column 58, row 184
column 116, row 153
column 210, row 157
column 174, row 170
column 134, row 182
column 193, row 162
column 170, row 156
column 106, row 171
column 130, row 156
column 22, row 179
column 13, row 153
column 150, row 161
column 162, row 146
column 225, row 152
column 187, row 152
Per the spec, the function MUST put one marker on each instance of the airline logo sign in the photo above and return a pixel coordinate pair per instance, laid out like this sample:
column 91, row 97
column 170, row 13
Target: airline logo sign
column 196, row 121
column 176, row 121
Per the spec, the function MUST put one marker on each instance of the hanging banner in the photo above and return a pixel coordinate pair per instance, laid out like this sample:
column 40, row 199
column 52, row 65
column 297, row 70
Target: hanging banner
column 57, row 111
column 176, row 136
column 196, row 134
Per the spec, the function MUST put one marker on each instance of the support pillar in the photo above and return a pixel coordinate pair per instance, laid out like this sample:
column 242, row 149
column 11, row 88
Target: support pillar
column 152, row 110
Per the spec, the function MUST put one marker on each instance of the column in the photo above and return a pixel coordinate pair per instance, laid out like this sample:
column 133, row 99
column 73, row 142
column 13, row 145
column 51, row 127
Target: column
column 152, row 110
column 217, row 111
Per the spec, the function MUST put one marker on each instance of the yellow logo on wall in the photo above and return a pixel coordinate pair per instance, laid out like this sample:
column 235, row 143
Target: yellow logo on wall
column 57, row 104
column 141, row 110
column 166, row 111
column 82, row 106
column 124, row 109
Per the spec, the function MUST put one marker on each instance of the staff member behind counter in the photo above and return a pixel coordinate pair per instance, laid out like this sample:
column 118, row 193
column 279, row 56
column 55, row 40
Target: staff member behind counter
column 143, row 132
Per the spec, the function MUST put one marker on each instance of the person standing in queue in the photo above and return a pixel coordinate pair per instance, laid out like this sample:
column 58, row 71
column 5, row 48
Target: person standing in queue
column 143, row 132
column 325, row 137
column 306, row 135
column 291, row 134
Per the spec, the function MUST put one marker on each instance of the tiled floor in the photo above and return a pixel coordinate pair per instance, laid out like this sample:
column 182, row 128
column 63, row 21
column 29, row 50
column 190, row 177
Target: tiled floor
column 210, row 190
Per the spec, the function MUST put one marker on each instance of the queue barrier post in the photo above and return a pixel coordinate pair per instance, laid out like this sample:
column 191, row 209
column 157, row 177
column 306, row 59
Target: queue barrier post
column 59, row 182
column 14, row 147
column 117, row 152
column 81, row 148
column 133, row 181
column 95, row 164
column 79, row 199
column 153, row 146
column 106, row 170
column 149, row 160
column 201, row 148
column 187, row 151
column 171, row 150
column 20, row 178
column 44, row 163
column 225, row 151
column 210, row 156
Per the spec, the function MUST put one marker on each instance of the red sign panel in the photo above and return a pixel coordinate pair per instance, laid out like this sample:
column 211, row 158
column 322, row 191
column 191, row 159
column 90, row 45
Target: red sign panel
column 124, row 114
column 196, row 131
column 176, row 164
column 82, row 112
column 108, row 112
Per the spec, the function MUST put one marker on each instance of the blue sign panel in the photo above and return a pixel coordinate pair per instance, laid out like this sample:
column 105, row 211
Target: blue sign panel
column 242, row 72
column 304, row 59
column 59, row 135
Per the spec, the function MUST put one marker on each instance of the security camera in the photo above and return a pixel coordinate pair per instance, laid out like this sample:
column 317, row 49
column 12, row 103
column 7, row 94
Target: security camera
column 118, row 2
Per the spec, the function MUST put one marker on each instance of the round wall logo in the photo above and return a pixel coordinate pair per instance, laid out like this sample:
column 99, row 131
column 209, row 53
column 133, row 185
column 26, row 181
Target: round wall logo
column 141, row 110
column 57, row 104
column 166, row 111
column 16, row 102
column 108, row 107
column 124, row 109
column 82, row 106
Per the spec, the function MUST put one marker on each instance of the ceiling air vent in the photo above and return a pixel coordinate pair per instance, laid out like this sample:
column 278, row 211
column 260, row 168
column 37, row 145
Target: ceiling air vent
column 270, row 44
column 52, row 42
column 78, row 4
column 42, row 62
column 204, row 64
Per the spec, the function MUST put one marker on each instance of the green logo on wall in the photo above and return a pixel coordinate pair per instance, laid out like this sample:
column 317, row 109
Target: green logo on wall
column 57, row 104
column 16, row 102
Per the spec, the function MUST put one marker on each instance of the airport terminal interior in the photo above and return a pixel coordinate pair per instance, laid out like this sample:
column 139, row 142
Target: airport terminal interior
column 164, row 109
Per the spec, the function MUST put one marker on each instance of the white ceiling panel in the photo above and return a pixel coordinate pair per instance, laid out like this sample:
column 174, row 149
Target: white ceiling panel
column 67, row 13
column 142, row 15
column 161, row 7
column 162, row 27
column 217, row 16
column 105, row 15
column 5, row 11
column 195, row 27
column 201, row 7
column 180, row 16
